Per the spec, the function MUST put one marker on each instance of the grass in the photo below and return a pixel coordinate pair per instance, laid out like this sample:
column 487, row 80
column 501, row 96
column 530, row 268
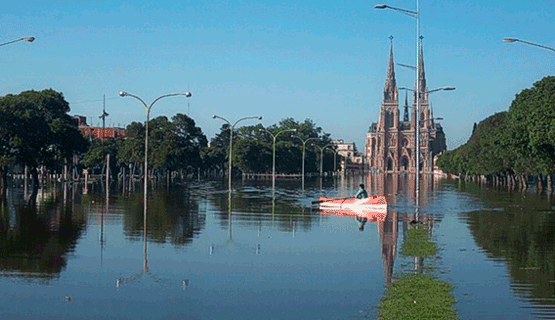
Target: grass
column 417, row 296
column 417, row 244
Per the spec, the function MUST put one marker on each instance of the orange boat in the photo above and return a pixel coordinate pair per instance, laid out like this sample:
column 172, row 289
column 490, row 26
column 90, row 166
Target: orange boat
column 374, row 208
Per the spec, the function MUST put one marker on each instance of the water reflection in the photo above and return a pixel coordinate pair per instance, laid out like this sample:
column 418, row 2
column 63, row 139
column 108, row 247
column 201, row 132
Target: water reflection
column 521, row 231
column 35, row 240
column 256, row 253
column 173, row 216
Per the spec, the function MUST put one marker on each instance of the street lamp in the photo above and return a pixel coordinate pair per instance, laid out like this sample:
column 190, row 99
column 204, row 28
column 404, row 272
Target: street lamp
column 274, row 153
column 29, row 39
column 147, row 109
column 510, row 40
column 322, row 157
column 231, row 126
column 414, row 14
column 431, row 91
column 304, row 149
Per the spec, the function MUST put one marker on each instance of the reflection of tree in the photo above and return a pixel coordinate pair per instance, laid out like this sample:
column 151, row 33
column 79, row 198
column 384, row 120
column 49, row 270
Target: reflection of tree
column 174, row 214
column 37, row 245
column 526, row 240
column 251, row 207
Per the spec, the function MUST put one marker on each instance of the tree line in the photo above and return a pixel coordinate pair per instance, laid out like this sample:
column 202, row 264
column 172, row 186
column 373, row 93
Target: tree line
column 510, row 146
column 38, row 133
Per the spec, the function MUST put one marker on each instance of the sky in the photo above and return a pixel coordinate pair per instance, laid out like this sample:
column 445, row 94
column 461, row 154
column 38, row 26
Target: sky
column 319, row 60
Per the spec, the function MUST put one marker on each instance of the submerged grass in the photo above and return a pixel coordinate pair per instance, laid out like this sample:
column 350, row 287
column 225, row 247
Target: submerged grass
column 417, row 244
column 417, row 296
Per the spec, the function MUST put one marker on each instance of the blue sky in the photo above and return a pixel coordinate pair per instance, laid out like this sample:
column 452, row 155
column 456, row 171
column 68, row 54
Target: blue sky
column 323, row 60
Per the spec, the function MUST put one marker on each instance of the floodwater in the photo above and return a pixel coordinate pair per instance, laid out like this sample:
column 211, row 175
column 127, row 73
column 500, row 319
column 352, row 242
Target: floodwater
column 265, row 255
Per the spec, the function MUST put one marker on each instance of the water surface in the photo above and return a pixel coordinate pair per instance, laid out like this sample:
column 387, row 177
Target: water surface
column 265, row 255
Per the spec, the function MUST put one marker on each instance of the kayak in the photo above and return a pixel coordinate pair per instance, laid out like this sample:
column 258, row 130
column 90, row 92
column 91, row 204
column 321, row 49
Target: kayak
column 373, row 208
column 373, row 201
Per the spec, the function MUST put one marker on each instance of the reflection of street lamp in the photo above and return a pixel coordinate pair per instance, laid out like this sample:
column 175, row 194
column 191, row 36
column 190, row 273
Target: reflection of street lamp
column 274, row 137
column 510, row 40
column 147, row 109
column 231, row 126
column 120, row 281
column 304, row 149
column 30, row 39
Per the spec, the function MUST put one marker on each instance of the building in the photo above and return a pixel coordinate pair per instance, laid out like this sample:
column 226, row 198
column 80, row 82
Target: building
column 98, row 132
column 390, row 143
column 348, row 151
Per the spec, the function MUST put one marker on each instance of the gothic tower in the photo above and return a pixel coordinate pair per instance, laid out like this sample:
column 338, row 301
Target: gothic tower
column 390, row 143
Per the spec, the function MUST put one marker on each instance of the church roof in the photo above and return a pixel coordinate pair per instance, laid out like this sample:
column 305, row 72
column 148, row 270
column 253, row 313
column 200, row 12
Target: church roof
column 390, row 88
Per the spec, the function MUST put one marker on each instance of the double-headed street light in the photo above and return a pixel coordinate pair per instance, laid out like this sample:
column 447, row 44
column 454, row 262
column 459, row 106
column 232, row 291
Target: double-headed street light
column 147, row 109
column 431, row 91
column 304, row 141
column 528, row 42
column 322, row 157
column 414, row 14
column 274, row 136
column 29, row 39
column 231, row 126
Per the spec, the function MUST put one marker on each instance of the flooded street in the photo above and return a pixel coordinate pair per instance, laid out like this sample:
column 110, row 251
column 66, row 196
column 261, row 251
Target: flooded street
column 260, row 255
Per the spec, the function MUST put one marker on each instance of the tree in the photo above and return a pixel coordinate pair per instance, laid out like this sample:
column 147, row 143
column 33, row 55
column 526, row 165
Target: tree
column 216, row 154
column 189, row 143
column 174, row 145
column 132, row 149
column 37, row 130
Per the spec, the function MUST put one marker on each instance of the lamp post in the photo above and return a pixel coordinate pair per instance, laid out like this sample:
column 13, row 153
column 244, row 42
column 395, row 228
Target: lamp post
column 147, row 109
column 29, row 39
column 431, row 91
column 510, row 40
column 414, row 14
column 322, row 157
column 304, row 141
column 231, row 126
column 274, row 153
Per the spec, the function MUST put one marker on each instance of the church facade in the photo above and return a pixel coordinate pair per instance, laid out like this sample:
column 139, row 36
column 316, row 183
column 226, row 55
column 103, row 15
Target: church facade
column 390, row 143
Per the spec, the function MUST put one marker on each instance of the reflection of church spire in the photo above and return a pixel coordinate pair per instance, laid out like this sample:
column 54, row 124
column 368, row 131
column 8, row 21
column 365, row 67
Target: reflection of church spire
column 406, row 113
column 387, row 232
column 390, row 89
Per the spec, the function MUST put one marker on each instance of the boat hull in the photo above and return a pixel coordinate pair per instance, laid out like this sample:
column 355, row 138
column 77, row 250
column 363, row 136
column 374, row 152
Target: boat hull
column 373, row 208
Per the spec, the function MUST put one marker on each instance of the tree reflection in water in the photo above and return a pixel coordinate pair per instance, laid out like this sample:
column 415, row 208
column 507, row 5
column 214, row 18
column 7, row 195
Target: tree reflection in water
column 36, row 244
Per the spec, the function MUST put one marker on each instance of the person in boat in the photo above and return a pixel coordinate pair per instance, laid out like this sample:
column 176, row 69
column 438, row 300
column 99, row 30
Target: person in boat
column 361, row 192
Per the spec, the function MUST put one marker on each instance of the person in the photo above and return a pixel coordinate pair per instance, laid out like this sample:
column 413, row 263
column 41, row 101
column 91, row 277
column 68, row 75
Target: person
column 361, row 192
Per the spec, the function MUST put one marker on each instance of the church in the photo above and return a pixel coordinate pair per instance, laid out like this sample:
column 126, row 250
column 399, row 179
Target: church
column 390, row 143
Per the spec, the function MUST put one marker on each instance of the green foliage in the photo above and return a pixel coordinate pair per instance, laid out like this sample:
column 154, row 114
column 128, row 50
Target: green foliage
column 37, row 129
column 132, row 150
column 520, row 141
column 215, row 156
column 253, row 147
column 95, row 157
column 173, row 145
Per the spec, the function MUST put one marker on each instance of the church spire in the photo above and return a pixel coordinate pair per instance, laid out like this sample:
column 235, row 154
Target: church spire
column 390, row 89
column 406, row 113
column 422, row 74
